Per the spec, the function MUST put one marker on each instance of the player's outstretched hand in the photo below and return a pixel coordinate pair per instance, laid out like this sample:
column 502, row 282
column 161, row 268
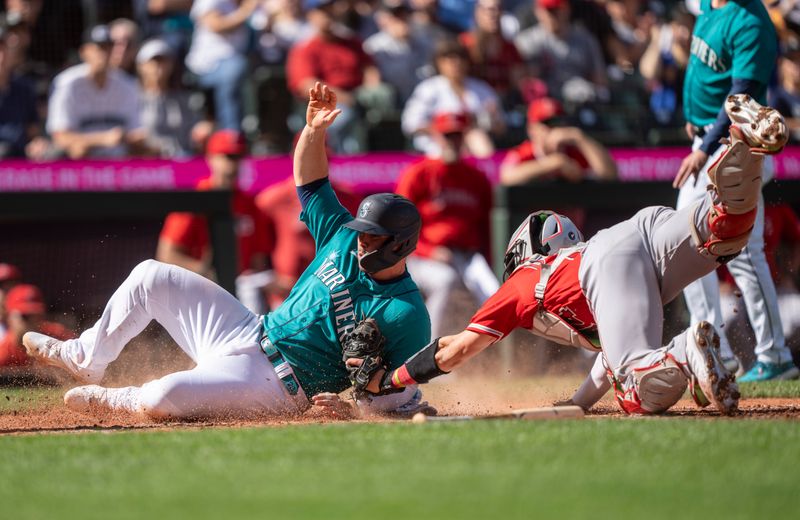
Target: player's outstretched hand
column 332, row 405
column 321, row 111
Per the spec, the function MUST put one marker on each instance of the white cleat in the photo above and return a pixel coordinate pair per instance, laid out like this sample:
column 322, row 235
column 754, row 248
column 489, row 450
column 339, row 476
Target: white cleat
column 716, row 384
column 764, row 128
column 87, row 399
column 48, row 350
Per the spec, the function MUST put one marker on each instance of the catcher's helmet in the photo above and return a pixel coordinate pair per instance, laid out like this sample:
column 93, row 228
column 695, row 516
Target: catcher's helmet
column 392, row 215
column 541, row 233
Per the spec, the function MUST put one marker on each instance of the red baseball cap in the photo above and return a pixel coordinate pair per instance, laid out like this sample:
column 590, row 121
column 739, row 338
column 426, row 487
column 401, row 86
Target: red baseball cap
column 25, row 298
column 9, row 272
column 226, row 142
column 551, row 4
column 542, row 109
column 450, row 122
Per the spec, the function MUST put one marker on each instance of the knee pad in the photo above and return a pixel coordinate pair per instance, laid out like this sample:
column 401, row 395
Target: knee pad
column 652, row 389
column 729, row 233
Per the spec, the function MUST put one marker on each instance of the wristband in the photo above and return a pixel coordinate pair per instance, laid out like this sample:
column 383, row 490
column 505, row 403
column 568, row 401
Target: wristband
column 420, row 368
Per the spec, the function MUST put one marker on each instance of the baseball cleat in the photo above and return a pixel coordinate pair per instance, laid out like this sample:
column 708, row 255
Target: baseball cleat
column 763, row 128
column 762, row 371
column 49, row 351
column 712, row 383
column 87, row 399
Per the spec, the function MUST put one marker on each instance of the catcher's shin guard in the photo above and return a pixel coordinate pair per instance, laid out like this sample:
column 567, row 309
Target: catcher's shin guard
column 736, row 175
column 652, row 389
column 736, row 185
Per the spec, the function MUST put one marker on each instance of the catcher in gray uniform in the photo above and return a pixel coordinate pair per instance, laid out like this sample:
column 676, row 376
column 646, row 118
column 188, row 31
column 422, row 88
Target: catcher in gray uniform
column 607, row 294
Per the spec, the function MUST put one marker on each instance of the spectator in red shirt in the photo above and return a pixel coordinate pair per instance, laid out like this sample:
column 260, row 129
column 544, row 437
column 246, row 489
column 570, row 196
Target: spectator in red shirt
column 25, row 307
column 9, row 277
column 333, row 56
column 555, row 151
column 185, row 241
column 454, row 199
column 492, row 58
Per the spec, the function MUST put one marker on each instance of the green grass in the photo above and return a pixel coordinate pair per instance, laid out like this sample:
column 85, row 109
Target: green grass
column 595, row 468
column 25, row 398
column 771, row 389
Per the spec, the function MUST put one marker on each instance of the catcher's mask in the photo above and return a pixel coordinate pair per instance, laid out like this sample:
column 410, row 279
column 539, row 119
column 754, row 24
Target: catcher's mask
column 541, row 233
column 392, row 215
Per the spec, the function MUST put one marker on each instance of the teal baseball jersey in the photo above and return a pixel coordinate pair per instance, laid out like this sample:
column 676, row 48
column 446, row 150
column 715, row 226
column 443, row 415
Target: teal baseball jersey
column 332, row 295
column 737, row 40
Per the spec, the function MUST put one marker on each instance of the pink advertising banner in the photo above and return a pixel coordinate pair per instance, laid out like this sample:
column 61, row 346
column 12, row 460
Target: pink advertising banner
column 362, row 173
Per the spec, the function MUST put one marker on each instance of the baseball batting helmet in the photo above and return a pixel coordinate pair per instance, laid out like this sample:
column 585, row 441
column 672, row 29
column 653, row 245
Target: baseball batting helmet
column 392, row 215
column 541, row 233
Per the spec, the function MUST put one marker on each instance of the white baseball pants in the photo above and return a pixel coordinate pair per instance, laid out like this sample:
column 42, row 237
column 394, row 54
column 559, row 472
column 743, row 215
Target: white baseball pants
column 232, row 376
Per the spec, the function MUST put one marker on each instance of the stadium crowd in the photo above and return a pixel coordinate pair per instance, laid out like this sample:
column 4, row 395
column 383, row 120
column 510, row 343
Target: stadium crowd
column 162, row 74
column 549, row 83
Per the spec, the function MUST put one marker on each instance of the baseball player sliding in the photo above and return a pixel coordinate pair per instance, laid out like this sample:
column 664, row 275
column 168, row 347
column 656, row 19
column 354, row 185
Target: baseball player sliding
column 267, row 364
column 608, row 293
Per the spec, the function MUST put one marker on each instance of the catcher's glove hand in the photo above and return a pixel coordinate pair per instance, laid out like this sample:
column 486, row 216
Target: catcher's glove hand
column 364, row 342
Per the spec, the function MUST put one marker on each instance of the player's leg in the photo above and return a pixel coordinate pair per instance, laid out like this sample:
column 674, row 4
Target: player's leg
column 616, row 268
column 752, row 275
column 704, row 304
column 702, row 295
column 622, row 265
column 437, row 281
column 238, row 385
column 199, row 315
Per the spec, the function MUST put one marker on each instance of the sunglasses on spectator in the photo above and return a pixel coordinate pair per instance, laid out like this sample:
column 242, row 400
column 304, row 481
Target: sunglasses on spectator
column 555, row 122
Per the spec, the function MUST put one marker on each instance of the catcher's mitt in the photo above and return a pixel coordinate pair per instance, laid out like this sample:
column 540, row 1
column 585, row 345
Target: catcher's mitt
column 364, row 342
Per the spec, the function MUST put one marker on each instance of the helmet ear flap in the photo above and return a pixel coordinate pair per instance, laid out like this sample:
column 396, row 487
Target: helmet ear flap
column 524, row 243
column 542, row 233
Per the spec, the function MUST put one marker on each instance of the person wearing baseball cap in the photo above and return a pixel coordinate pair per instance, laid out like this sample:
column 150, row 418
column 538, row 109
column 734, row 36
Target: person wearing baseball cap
column 93, row 110
column 25, row 307
column 173, row 128
column 455, row 201
column 554, row 150
column 184, row 239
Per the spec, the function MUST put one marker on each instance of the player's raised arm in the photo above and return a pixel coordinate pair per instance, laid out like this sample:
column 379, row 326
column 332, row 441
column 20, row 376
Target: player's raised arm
column 310, row 158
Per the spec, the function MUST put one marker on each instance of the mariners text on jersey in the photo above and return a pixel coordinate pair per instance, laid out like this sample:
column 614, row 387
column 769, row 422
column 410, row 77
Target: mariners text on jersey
column 706, row 54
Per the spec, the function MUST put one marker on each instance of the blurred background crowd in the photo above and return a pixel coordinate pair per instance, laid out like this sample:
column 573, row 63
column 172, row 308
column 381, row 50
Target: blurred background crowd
column 550, row 84
column 110, row 78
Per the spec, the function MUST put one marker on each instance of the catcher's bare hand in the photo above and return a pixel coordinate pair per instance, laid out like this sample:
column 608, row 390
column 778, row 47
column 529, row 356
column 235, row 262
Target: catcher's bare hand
column 321, row 111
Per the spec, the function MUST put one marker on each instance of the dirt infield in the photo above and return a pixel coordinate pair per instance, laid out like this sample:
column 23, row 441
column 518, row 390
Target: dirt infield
column 56, row 418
